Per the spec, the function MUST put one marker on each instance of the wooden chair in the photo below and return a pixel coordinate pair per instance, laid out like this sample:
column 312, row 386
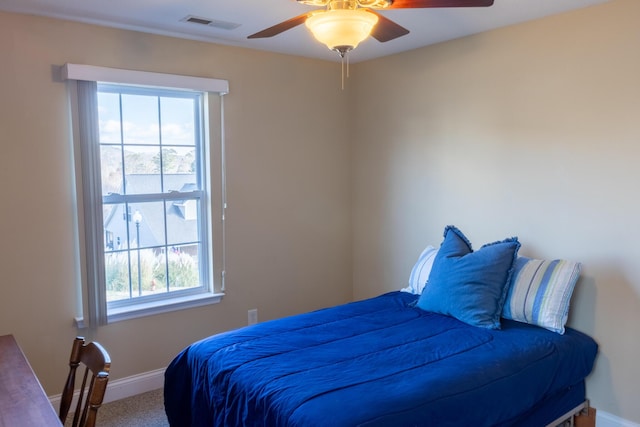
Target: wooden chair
column 97, row 364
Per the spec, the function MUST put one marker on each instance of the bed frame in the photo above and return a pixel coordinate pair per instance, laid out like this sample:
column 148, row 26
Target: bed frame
column 581, row 416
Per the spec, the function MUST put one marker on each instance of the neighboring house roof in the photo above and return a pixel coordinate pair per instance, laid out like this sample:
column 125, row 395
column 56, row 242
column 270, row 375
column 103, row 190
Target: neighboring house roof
column 181, row 226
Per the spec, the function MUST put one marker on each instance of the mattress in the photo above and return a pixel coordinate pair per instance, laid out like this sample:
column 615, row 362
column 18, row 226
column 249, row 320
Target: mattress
column 376, row 362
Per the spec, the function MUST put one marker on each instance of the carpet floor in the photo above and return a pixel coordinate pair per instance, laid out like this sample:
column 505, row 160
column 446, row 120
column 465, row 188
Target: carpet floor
column 142, row 410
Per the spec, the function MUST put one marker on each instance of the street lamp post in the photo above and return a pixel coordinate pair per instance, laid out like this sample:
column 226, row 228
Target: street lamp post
column 137, row 218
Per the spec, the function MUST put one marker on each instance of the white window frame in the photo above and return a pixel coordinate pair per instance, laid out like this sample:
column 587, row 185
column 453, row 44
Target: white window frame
column 93, row 307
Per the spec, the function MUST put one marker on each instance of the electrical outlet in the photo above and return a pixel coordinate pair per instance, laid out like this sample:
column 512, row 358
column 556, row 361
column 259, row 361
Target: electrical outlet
column 252, row 316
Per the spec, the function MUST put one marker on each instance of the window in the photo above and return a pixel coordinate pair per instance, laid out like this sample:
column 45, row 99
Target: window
column 148, row 196
column 151, row 169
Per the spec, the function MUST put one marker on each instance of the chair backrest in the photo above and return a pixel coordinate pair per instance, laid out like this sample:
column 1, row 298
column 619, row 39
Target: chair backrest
column 94, row 382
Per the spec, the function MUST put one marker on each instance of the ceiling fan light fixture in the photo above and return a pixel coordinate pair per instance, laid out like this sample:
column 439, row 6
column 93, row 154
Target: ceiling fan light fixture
column 314, row 2
column 342, row 29
column 376, row 4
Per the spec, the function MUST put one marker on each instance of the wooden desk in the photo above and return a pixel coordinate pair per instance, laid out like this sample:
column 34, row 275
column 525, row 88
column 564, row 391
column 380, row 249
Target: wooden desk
column 22, row 399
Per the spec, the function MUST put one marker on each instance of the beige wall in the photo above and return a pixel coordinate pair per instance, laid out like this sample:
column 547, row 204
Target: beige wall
column 289, row 203
column 531, row 130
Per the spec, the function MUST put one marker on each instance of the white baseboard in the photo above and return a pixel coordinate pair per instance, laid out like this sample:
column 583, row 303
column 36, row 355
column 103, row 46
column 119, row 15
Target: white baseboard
column 124, row 387
column 604, row 419
column 135, row 384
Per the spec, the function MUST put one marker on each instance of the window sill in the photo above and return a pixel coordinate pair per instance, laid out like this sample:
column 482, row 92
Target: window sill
column 156, row 307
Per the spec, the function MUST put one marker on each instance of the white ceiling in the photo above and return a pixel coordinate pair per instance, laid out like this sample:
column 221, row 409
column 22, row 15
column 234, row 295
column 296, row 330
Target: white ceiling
column 166, row 17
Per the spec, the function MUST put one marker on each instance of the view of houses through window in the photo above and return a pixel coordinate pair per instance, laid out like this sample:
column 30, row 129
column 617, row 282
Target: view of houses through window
column 152, row 195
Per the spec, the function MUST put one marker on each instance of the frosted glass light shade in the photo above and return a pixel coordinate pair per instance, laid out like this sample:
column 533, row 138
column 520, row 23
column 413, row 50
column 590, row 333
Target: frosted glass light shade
column 341, row 30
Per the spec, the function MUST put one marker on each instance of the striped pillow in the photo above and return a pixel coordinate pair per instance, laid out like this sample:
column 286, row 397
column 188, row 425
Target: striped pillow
column 540, row 292
column 420, row 271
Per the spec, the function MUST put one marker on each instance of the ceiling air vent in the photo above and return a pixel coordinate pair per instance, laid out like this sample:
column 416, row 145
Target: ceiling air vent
column 222, row 25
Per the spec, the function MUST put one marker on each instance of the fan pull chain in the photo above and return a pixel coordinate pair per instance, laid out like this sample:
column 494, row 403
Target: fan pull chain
column 343, row 51
column 342, row 57
column 342, row 67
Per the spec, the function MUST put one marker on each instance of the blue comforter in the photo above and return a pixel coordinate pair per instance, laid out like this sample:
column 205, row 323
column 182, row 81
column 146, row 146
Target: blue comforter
column 377, row 362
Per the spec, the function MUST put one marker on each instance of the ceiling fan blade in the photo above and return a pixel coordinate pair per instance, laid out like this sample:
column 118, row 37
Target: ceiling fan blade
column 421, row 4
column 281, row 27
column 386, row 29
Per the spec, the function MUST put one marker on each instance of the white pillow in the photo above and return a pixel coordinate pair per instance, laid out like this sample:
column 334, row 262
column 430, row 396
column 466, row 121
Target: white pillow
column 420, row 271
column 540, row 292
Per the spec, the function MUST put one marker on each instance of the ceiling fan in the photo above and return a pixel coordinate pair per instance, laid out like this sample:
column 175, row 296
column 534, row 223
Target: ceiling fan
column 345, row 23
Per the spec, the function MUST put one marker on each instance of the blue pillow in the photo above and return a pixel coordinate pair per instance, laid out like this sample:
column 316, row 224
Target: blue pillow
column 470, row 286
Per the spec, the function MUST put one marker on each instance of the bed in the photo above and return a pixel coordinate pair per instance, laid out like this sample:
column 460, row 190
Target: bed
column 478, row 339
column 378, row 362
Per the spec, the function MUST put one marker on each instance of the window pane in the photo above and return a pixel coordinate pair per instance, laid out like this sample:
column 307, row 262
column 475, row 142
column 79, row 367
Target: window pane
column 111, row 166
column 109, row 118
column 142, row 169
column 143, row 284
column 140, row 119
column 182, row 221
column 117, row 272
column 178, row 121
column 115, row 226
column 183, row 267
column 146, row 225
column 181, row 182
column 160, row 272
column 179, row 160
